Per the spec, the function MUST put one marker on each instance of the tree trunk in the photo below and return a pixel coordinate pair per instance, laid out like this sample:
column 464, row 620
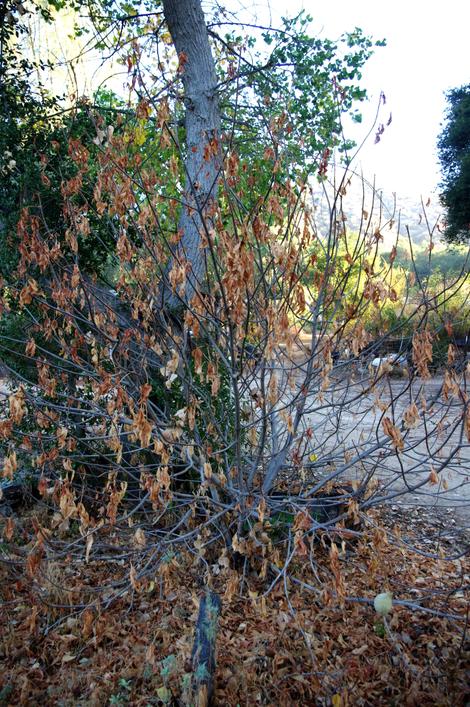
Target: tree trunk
column 185, row 20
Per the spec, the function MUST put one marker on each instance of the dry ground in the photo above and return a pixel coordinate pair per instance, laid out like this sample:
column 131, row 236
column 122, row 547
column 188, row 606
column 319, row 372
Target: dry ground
column 312, row 639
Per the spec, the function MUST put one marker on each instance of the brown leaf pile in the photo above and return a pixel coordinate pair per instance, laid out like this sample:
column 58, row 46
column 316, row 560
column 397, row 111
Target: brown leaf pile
column 292, row 646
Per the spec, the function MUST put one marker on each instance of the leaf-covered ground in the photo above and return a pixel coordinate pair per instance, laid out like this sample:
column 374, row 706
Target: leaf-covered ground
column 61, row 644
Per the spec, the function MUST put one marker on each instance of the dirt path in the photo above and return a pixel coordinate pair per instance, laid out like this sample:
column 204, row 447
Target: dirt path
column 437, row 444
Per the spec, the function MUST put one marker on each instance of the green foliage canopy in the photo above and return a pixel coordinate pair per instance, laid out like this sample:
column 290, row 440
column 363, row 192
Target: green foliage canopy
column 454, row 154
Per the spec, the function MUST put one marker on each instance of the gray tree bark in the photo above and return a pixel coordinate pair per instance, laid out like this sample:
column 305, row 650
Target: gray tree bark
column 186, row 23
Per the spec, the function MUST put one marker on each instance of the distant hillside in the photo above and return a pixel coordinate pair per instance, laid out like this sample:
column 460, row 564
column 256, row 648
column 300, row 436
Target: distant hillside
column 447, row 261
column 392, row 215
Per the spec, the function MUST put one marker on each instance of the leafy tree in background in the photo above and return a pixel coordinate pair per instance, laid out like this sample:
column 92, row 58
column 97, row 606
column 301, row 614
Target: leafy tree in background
column 454, row 154
column 35, row 133
column 281, row 92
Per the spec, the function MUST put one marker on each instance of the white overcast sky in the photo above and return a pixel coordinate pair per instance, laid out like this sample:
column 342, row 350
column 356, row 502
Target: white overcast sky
column 427, row 53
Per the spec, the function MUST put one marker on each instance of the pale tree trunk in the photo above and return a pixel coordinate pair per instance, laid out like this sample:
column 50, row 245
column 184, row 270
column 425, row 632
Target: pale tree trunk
column 185, row 20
